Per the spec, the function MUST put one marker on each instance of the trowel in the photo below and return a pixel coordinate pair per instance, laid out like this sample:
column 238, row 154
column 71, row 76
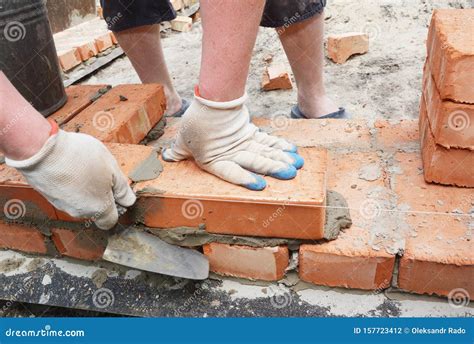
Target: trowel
column 143, row 251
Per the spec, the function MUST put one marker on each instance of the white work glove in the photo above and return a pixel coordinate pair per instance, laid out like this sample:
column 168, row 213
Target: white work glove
column 222, row 141
column 78, row 175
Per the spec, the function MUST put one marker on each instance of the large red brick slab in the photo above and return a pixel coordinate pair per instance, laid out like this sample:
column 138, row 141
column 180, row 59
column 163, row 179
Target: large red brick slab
column 125, row 114
column 263, row 263
column 184, row 195
column 439, row 253
column 22, row 238
column 80, row 244
column 358, row 258
column 441, row 165
column 450, row 49
column 452, row 123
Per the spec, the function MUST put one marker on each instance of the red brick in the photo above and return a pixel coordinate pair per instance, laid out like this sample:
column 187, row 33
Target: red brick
column 341, row 47
column 438, row 254
column 331, row 133
column 358, row 258
column 276, row 77
column 450, row 49
column 442, row 165
column 397, row 135
column 21, row 238
column 287, row 209
column 69, row 58
column 78, row 98
column 87, row 50
column 103, row 42
column 114, row 39
column 452, row 123
column 111, row 119
column 33, row 204
column 264, row 263
column 302, row 132
column 80, row 244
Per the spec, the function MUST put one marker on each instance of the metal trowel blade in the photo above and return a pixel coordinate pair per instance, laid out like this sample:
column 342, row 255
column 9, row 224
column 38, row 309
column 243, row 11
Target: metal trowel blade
column 144, row 251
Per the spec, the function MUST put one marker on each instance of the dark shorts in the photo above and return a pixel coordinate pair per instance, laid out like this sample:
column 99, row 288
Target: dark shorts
column 126, row 14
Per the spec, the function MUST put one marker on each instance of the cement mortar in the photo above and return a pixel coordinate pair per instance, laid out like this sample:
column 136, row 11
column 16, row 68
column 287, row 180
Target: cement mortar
column 148, row 169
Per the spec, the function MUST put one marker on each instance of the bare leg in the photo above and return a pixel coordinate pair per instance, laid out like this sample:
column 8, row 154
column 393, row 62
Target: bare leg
column 303, row 44
column 143, row 47
column 229, row 33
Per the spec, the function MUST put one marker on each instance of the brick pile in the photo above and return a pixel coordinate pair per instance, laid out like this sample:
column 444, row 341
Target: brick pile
column 447, row 104
column 405, row 233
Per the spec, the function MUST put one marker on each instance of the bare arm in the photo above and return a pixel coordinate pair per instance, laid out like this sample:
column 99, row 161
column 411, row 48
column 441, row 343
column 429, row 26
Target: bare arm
column 23, row 130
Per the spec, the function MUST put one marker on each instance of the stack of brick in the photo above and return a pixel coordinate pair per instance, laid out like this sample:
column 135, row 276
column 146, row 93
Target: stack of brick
column 447, row 104
column 82, row 42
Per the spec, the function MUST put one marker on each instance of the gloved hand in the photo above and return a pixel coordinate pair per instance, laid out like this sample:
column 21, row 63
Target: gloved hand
column 78, row 175
column 222, row 141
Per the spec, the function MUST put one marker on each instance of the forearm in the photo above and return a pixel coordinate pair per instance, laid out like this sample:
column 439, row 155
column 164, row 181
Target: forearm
column 23, row 130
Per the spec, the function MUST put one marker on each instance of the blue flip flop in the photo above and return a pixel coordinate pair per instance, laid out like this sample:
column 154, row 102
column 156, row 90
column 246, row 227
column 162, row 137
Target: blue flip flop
column 339, row 114
column 184, row 106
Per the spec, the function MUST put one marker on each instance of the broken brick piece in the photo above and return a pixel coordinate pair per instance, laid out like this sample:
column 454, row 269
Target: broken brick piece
column 111, row 120
column 438, row 251
column 21, row 238
column 452, row 123
column 357, row 258
column 68, row 59
column 177, row 4
column 341, row 47
column 441, row 165
column 450, row 50
column 78, row 98
column 262, row 263
column 276, row 77
column 181, row 23
column 80, row 244
column 185, row 195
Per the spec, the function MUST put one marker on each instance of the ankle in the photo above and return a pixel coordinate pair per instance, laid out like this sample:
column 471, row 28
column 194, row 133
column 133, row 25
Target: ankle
column 316, row 105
